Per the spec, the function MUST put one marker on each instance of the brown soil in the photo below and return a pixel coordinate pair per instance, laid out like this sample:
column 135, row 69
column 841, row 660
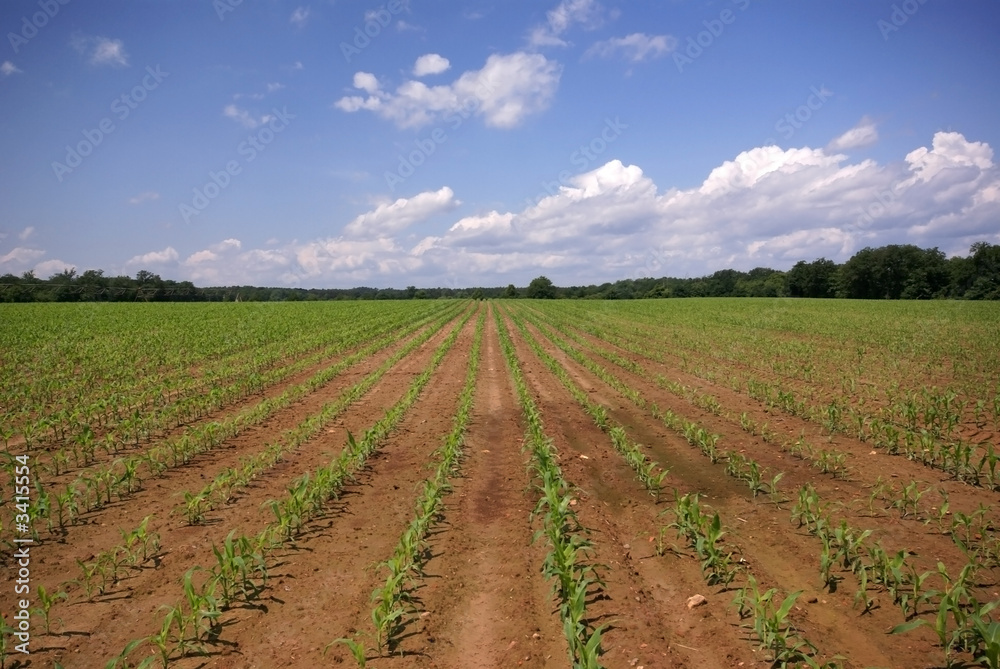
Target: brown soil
column 483, row 601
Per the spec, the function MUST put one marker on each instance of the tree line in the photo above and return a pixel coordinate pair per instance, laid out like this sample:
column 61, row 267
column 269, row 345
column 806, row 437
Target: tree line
column 894, row 272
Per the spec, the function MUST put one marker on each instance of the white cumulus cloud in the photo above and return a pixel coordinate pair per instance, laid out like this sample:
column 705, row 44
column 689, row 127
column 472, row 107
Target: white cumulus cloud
column 393, row 217
column 767, row 206
column 430, row 63
column 20, row 257
column 504, row 92
column 865, row 133
column 166, row 256
column 47, row 268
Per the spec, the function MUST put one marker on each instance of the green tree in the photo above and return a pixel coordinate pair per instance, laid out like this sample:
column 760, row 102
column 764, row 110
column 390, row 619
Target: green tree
column 894, row 272
column 813, row 279
column 62, row 285
column 541, row 288
column 983, row 276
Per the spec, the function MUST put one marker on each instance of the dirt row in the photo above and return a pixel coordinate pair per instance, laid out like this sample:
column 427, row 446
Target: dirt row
column 53, row 482
column 92, row 632
column 778, row 553
column 483, row 601
column 726, row 366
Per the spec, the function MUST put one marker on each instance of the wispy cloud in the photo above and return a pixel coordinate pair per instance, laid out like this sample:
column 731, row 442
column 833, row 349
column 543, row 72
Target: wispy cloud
column 27, row 232
column 101, row 50
column 244, row 117
column 865, row 133
column 567, row 13
column 8, row 68
column 148, row 196
column 272, row 87
column 300, row 16
column 636, row 47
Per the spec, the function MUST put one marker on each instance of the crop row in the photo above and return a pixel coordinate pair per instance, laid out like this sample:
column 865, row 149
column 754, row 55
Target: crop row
column 231, row 479
column 967, row 462
column 393, row 601
column 649, row 472
column 574, row 579
column 242, row 564
column 705, row 347
column 962, row 622
column 123, row 477
column 770, row 624
column 118, row 380
column 136, row 426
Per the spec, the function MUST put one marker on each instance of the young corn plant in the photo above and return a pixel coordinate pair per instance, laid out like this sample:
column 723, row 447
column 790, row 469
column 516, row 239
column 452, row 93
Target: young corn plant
column 716, row 562
column 140, row 544
column 827, row 559
column 961, row 623
column 771, row 627
column 195, row 506
column 89, row 579
column 121, row 661
column 389, row 610
column 47, row 602
column 236, row 570
column 861, row 596
column 356, row 648
column 201, row 619
column 909, row 499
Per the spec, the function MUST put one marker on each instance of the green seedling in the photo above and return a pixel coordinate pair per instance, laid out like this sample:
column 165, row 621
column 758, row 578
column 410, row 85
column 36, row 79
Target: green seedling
column 356, row 649
column 48, row 601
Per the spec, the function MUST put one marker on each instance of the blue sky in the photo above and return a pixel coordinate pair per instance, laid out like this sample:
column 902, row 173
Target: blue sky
column 336, row 144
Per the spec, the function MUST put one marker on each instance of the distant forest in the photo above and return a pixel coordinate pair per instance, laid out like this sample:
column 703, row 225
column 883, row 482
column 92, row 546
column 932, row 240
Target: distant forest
column 896, row 272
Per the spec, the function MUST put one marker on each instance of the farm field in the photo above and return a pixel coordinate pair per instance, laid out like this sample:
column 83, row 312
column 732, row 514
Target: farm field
column 503, row 483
